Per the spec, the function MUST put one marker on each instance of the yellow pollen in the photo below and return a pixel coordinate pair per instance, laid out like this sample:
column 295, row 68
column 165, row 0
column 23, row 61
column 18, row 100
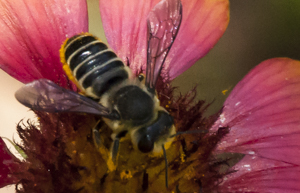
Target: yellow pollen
column 224, row 92
column 106, row 156
column 126, row 174
column 182, row 156
column 110, row 165
column 168, row 144
column 66, row 66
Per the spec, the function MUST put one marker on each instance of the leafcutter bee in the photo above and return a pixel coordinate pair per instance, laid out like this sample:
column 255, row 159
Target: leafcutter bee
column 127, row 104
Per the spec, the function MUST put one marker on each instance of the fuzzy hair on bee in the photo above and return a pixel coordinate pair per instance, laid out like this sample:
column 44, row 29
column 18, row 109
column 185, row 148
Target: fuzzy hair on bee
column 127, row 104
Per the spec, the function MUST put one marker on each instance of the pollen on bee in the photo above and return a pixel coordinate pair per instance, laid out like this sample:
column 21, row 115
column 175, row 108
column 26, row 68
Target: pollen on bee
column 66, row 67
column 110, row 165
column 106, row 155
column 69, row 74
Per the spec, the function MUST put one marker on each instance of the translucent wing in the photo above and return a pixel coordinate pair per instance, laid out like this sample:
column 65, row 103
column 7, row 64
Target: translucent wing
column 45, row 95
column 163, row 25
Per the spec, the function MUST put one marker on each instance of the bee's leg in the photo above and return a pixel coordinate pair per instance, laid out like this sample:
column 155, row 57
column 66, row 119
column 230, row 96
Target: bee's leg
column 115, row 147
column 105, row 153
column 96, row 134
column 145, row 181
column 96, row 137
column 166, row 163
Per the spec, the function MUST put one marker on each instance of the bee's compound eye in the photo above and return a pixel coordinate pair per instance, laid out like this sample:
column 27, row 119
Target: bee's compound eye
column 145, row 144
column 141, row 77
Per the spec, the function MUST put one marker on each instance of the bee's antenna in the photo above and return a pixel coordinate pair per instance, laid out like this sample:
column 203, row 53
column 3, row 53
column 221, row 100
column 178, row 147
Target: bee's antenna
column 166, row 163
column 188, row 132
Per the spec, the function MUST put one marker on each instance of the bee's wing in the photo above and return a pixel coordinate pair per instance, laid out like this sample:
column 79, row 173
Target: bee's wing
column 163, row 25
column 45, row 95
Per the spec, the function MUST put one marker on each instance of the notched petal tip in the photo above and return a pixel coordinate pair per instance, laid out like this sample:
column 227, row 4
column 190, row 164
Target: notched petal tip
column 32, row 33
column 263, row 112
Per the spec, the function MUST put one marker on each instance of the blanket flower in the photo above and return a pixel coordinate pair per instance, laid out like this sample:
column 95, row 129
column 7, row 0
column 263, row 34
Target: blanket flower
column 259, row 120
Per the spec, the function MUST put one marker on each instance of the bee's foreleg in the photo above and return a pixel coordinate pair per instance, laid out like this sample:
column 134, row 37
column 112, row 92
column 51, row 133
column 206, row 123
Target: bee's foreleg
column 105, row 153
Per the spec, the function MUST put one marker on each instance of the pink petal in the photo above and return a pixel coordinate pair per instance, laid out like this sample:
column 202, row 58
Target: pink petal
column 8, row 165
column 204, row 22
column 32, row 32
column 263, row 112
column 256, row 174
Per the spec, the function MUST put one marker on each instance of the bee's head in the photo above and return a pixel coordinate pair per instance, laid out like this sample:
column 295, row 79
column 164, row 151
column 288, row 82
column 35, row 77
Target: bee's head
column 134, row 104
column 152, row 137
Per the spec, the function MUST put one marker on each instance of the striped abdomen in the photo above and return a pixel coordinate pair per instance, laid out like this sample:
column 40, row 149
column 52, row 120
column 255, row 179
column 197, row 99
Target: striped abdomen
column 91, row 65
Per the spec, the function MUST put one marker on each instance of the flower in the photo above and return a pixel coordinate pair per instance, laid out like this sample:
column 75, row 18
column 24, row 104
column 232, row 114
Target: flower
column 254, row 119
column 32, row 32
column 263, row 112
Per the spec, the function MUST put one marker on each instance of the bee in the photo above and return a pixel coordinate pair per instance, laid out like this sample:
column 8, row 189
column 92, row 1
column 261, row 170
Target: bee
column 126, row 103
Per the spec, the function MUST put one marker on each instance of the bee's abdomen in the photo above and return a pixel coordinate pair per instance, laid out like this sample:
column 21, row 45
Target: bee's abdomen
column 92, row 65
